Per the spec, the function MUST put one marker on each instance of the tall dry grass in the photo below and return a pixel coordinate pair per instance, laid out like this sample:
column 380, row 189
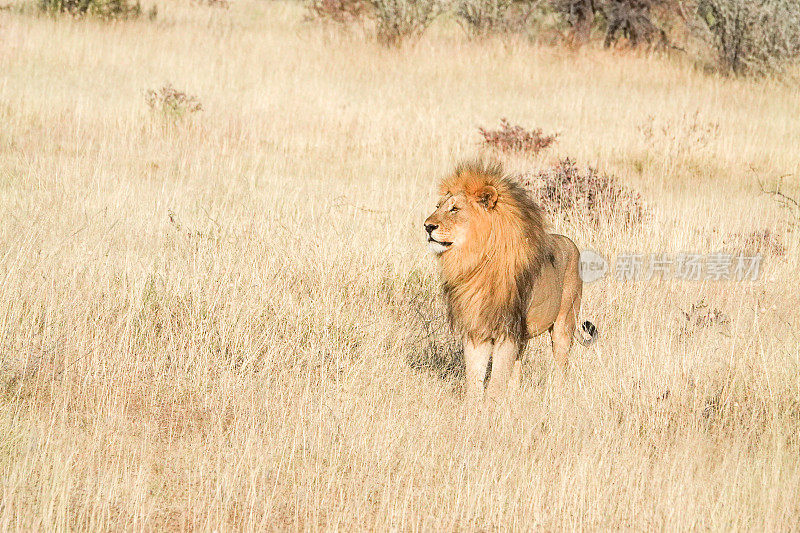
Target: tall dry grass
column 229, row 320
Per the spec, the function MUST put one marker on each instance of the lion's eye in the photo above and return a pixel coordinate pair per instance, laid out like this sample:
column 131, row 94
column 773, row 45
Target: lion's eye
column 454, row 209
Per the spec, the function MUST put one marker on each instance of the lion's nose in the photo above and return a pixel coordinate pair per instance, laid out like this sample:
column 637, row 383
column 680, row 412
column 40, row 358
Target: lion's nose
column 430, row 227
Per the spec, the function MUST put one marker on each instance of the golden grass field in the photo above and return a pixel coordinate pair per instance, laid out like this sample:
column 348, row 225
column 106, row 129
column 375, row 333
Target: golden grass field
column 231, row 320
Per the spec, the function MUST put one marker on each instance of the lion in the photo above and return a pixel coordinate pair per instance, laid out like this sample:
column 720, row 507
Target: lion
column 506, row 279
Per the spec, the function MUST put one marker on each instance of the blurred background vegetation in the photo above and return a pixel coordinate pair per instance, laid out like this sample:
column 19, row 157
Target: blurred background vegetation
column 741, row 37
column 733, row 36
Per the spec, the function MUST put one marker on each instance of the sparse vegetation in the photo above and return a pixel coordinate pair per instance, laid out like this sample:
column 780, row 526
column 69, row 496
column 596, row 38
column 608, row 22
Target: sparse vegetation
column 700, row 316
column 762, row 241
column 685, row 135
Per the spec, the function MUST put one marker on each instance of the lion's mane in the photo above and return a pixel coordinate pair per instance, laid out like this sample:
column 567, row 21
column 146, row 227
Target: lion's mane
column 488, row 280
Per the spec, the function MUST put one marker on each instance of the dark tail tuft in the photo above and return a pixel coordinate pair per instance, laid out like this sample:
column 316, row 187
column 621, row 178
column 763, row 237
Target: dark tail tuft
column 588, row 329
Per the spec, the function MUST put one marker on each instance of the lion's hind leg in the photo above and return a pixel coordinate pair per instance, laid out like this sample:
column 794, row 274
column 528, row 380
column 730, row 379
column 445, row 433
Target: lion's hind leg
column 562, row 330
column 561, row 337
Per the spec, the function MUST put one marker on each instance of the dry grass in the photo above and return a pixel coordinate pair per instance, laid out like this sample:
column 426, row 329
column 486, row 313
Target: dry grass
column 230, row 320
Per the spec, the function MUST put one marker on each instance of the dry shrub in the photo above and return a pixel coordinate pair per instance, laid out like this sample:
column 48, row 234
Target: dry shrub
column 700, row 316
column 395, row 20
column 339, row 11
column 173, row 104
column 586, row 195
column 761, row 241
column 516, row 139
column 480, row 18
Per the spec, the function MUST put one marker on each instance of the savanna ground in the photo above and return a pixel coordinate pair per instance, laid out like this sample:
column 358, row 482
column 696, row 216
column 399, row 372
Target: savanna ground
column 229, row 320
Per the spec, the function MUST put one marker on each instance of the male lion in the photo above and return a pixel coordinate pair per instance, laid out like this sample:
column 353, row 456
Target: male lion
column 506, row 279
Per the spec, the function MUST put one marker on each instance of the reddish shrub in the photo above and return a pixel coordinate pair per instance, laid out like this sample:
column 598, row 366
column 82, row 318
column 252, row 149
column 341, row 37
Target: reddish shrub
column 585, row 195
column 516, row 138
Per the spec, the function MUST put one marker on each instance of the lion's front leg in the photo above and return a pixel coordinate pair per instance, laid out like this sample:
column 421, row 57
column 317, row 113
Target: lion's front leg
column 504, row 359
column 515, row 382
column 476, row 357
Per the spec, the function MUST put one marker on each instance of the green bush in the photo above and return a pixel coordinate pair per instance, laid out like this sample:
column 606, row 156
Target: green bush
column 104, row 9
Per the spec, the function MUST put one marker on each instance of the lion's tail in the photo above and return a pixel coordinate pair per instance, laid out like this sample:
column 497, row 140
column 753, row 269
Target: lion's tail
column 588, row 333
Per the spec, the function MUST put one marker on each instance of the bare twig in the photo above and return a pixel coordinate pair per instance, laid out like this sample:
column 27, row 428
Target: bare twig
column 781, row 196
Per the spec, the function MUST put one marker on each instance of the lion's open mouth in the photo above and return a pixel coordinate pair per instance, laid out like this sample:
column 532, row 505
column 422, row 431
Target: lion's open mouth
column 438, row 247
column 441, row 243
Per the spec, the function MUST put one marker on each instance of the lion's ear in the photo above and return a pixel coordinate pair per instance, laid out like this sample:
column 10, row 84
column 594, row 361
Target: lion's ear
column 487, row 196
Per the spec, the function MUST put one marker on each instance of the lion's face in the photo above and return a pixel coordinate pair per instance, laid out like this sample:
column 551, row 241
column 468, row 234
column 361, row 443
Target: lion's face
column 449, row 226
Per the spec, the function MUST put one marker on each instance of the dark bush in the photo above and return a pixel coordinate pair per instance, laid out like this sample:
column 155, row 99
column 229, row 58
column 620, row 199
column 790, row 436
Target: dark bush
column 638, row 21
column 633, row 19
column 579, row 15
column 516, row 138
